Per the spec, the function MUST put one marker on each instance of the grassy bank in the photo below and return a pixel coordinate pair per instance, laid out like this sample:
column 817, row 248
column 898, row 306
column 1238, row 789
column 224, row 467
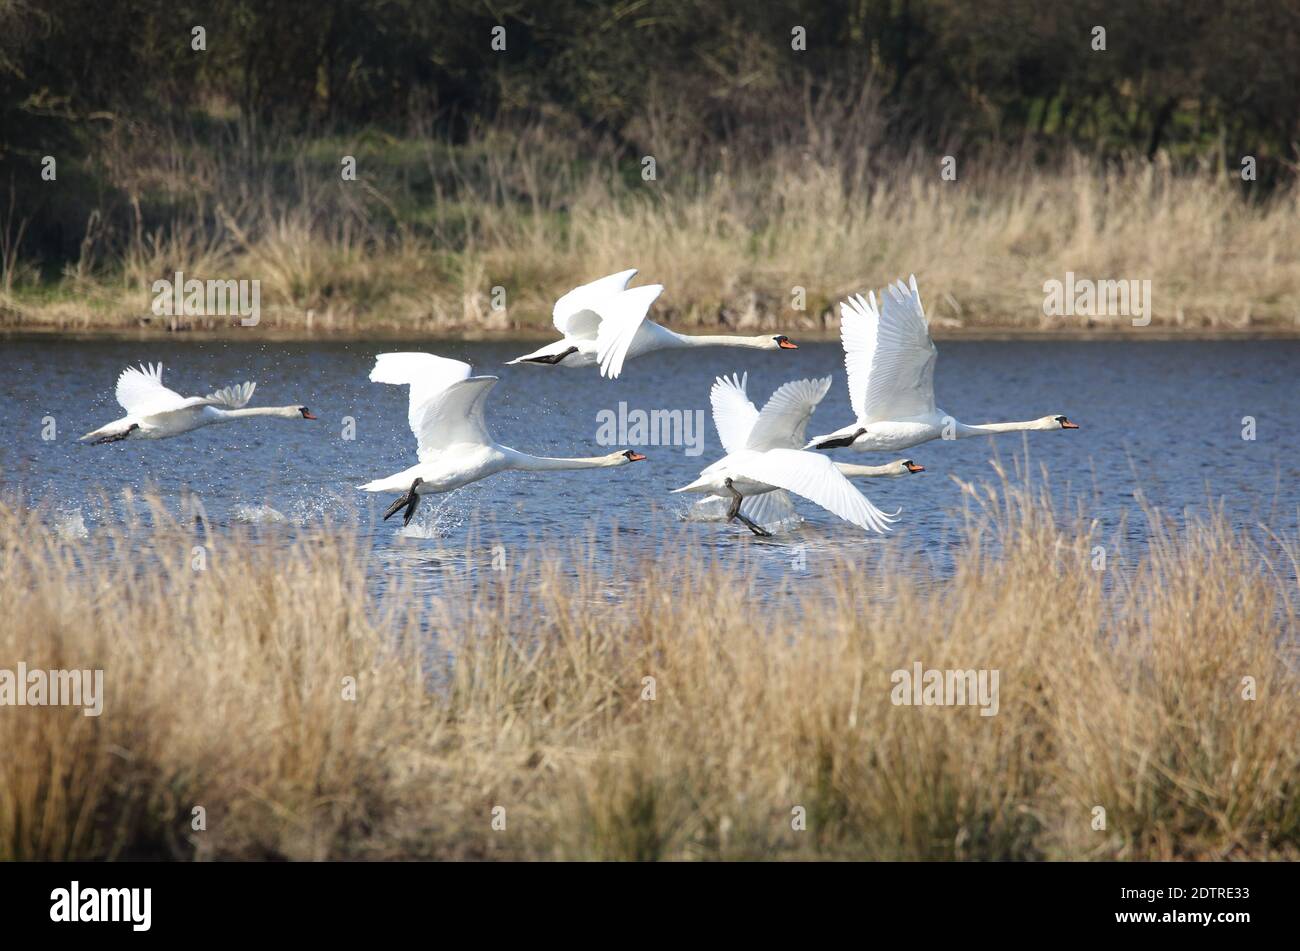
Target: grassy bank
column 224, row 689
column 428, row 229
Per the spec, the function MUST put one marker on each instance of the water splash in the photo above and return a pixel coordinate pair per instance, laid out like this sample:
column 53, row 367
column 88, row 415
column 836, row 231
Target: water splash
column 256, row 514
column 71, row 524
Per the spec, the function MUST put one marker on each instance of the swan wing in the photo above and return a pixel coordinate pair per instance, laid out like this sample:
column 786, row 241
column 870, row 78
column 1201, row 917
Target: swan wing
column 427, row 376
column 140, row 391
column 230, row 397
column 734, row 415
column 621, row 317
column 783, row 421
column 455, row 417
column 768, row 509
column 574, row 313
column 817, row 479
column 859, row 318
column 900, row 378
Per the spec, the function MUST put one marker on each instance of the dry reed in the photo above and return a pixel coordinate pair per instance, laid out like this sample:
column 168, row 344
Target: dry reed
column 420, row 240
column 527, row 690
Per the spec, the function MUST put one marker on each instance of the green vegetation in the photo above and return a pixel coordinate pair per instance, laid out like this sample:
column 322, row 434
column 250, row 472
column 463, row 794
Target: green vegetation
column 776, row 168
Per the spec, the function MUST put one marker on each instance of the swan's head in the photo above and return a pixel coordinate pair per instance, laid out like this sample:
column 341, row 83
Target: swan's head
column 781, row 342
column 900, row 468
column 304, row 412
column 626, row 456
column 1058, row 422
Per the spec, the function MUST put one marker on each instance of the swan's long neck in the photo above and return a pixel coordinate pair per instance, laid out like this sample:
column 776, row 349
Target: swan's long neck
column 992, row 429
column 852, row 471
column 549, row 463
column 226, row 415
column 723, row 340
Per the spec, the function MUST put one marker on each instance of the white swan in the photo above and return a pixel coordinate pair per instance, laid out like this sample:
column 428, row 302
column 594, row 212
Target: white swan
column 890, row 361
column 155, row 412
column 604, row 323
column 763, row 461
column 776, row 507
column 455, row 447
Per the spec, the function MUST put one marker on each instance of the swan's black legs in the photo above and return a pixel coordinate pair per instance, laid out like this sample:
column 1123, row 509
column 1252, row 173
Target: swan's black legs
column 551, row 359
column 733, row 513
column 392, row 509
column 410, row 509
column 839, row 443
column 119, row 437
column 411, row 499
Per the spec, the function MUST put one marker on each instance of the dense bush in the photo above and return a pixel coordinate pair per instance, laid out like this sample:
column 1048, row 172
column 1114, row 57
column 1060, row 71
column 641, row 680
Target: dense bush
column 1197, row 78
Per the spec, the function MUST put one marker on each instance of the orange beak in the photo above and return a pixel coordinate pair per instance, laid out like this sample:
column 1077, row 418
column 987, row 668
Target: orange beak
column 636, row 457
column 787, row 345
column 1069, row 425
column 308, row 416
column 913, row 467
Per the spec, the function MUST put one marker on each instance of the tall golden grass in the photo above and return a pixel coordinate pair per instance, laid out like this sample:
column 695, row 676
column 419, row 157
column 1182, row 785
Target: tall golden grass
column 523, row 699
column 731, row 234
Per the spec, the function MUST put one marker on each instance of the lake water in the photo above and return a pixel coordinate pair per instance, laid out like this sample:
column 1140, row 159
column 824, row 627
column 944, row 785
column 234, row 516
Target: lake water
column 1160, row 420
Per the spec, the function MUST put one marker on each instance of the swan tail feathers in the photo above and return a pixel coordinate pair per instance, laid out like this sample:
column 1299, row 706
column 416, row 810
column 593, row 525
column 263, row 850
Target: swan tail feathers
column 698, row 485
column 110, row 433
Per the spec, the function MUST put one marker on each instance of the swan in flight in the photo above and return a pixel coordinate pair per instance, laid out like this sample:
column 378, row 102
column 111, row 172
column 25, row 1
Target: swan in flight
column 776, row 507
column 604, row 323
column 890, row 361
column 455, row 447
column 155, row 412
column 764, row 461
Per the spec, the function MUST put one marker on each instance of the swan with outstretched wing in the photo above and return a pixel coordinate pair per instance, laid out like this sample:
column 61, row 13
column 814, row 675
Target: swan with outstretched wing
column 453, row 443
column 154, row 411
column 764, row 463
column 605, row 324
column 890, row 360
